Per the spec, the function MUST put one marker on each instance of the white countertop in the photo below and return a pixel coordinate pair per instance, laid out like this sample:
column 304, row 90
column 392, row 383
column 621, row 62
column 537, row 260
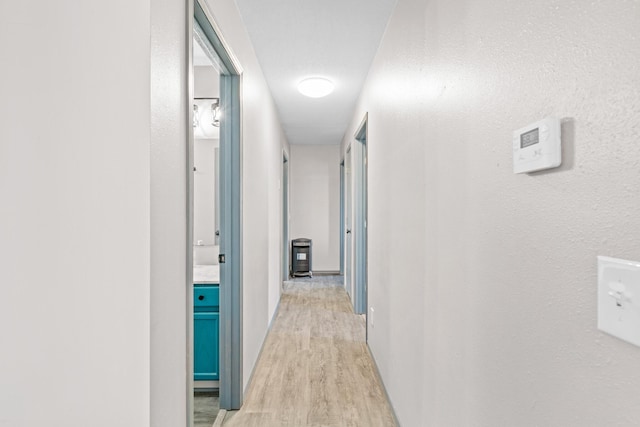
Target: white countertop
column 206, row 274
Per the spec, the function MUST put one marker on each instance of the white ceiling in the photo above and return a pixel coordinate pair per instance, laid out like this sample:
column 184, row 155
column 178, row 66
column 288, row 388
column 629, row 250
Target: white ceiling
column 336, row 39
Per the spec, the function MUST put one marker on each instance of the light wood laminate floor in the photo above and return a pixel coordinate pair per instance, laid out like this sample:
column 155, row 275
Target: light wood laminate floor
column 315, row 368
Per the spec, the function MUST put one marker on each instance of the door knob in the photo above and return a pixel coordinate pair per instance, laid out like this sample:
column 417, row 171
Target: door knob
column 348, row 231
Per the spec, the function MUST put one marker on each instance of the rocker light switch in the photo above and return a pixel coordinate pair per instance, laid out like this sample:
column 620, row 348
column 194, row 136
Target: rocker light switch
column 619, row 298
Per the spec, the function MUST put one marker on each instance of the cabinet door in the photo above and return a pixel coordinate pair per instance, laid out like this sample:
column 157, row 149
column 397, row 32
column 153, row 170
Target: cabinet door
column 205, row 346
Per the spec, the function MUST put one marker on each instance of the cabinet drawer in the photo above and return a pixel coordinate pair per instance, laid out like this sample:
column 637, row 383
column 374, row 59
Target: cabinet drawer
column 206, row 297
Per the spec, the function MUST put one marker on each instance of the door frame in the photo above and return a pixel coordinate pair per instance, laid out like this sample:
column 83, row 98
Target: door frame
column 348, row 222
column 230, row 189
column 342, row 216
column 360, row 217
column 285, row 217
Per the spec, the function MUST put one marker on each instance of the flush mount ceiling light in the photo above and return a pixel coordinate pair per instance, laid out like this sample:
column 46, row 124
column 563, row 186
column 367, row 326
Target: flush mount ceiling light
column 315, row 87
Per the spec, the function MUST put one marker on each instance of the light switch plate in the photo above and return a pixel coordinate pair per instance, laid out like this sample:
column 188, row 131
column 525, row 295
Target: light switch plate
column 619, row 298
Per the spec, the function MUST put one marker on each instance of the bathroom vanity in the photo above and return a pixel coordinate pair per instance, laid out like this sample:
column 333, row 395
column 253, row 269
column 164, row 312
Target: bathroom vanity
column 206, row 325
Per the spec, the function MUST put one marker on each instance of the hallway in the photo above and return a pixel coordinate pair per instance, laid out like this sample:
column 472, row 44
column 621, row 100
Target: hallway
column 488, row 299
column 315, row 368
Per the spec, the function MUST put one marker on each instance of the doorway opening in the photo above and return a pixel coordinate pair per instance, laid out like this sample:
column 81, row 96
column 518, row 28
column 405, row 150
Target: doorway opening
column 348, row 225
column 285, row 218
column 214, row 228
column 342, row 221
column 360, row 218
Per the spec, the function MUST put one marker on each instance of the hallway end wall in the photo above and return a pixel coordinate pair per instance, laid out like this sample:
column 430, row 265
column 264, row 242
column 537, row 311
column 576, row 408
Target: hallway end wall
column 315, row 202
column 483, row 281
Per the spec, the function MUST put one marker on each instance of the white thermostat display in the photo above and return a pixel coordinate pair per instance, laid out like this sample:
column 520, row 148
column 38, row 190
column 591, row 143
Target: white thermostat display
column 537, row 146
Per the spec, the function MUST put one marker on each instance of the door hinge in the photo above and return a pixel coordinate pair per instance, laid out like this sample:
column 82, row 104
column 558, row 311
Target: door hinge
column 221, row 259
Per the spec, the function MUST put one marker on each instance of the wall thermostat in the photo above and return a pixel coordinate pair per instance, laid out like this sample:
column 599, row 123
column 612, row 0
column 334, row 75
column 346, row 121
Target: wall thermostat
column 537, row 146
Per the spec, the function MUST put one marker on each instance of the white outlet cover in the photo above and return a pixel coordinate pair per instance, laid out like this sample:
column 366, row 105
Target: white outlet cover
column 619, row 298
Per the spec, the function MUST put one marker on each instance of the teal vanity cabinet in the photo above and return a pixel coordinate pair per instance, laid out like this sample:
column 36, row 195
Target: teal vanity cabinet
column 206, row 332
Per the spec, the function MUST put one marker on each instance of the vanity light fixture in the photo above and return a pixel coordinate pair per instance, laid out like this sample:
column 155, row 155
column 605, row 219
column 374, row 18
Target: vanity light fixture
column 215, row 112
column 206, row 117
column 196, row 116
column 315, row 87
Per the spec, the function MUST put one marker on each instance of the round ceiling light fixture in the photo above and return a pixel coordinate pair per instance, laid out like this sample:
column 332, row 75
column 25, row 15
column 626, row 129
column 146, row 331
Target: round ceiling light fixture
column 315, row 87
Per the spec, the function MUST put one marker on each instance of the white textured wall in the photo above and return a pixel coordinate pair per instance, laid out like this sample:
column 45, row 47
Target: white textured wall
column 484, row 282
column 204, row 202
column 206, row 82
column 315, row 202
column 74, row 214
